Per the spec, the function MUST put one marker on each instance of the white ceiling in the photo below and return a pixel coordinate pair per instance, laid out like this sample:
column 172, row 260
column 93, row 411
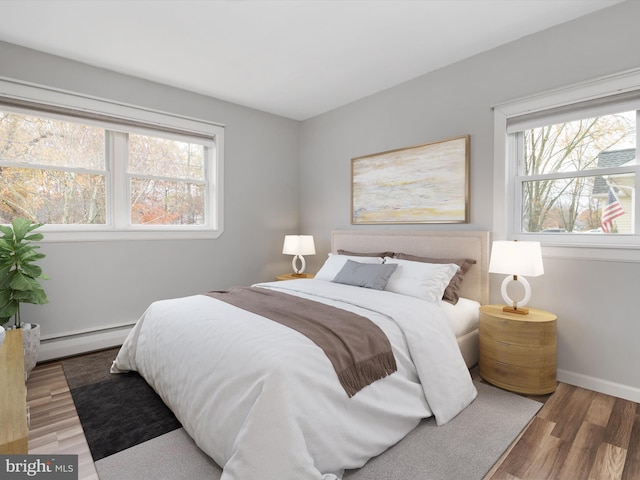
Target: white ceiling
column 295, row 58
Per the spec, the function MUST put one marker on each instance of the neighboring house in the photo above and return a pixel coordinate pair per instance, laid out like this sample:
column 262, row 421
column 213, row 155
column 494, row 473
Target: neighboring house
column 623, row 185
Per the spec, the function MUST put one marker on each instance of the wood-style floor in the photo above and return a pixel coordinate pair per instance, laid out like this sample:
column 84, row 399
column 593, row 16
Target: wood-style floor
column 577, row 435
column 55, row 426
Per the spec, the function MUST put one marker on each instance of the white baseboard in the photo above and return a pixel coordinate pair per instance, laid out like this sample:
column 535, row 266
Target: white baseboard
column 75, row 344
column 599, row 385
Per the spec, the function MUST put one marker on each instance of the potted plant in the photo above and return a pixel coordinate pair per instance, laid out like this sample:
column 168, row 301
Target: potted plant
column 19, row 280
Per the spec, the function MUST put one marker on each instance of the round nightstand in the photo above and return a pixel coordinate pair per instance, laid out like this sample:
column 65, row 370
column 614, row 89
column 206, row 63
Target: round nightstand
column 294, row 276
column 518, row 352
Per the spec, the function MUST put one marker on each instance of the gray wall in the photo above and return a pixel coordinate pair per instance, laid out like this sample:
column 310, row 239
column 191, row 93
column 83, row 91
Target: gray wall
column 94, row 284
column 598, row 329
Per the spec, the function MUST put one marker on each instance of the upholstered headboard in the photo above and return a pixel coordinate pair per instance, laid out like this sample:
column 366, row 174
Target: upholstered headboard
column 438, row 244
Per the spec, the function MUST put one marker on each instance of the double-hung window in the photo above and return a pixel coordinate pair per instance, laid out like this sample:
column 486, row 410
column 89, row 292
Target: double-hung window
column 89, row 169
column 569, row 163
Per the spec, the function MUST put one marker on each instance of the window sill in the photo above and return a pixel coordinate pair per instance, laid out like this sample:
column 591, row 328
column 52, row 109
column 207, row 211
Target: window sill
column 605, row 253
column 54, row 236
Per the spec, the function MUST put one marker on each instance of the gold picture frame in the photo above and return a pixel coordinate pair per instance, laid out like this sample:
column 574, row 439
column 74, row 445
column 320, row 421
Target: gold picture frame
column 426, row 183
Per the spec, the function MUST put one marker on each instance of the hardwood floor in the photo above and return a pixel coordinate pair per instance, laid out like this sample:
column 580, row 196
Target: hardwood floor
column 55, row 426
column 577, row 435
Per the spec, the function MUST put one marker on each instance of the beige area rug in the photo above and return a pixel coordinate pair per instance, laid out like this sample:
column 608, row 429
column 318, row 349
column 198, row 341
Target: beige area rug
column 465, row 448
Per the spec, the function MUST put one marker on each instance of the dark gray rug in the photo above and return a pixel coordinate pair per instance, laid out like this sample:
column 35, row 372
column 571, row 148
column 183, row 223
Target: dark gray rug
column 136, row 437
column 116, row 411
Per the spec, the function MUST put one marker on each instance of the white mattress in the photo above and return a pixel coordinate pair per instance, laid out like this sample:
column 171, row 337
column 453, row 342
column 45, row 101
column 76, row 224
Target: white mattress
column 463, row 317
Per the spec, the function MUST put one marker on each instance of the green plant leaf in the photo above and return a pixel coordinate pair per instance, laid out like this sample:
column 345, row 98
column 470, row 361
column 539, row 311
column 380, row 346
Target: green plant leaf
column 34, row 237
column 22, row 282
column 21, row 226
column 33, row 271
column 5, row 267
column 32, row 257
column 5, row 296
column 10, row 274
column 26, row 249
column 36, row 296
column 6, row 246
column 9, row 308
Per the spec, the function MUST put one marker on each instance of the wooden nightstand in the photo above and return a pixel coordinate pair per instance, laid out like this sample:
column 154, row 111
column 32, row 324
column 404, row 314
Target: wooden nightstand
column 293, row 276
column 518, row 352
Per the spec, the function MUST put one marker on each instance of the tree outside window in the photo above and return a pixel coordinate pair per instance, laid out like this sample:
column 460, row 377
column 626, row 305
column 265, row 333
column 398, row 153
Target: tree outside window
column 569, row 171
column 60, row 172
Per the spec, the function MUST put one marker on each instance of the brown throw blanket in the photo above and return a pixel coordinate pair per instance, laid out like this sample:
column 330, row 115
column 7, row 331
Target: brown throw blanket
column 358, row 349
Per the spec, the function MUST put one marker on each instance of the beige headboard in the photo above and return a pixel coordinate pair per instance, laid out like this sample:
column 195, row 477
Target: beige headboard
column 438, row 244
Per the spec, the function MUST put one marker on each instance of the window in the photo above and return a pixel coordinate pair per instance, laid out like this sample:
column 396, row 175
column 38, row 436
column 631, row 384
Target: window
column 570, row 161
column 53, row 171
column 569, row 174
column 87, row 174
column 166, row 180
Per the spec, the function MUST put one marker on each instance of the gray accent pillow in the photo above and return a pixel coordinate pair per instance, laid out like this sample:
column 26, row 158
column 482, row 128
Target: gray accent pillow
column 367, row 275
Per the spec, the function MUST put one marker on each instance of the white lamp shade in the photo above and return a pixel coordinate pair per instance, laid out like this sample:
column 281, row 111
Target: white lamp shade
column 298, row 245
column 516, row 258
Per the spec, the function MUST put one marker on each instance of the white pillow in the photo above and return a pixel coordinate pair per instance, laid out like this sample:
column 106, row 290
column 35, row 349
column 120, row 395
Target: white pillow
column 334, row 264
column 427, row 281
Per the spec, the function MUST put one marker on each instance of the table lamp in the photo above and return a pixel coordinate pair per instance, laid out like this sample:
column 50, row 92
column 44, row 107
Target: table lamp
column 516, row 259
column 298, row 245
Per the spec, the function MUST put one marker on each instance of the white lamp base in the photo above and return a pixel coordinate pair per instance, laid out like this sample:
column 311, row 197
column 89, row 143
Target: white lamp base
column 294, row 264
column 516, row 306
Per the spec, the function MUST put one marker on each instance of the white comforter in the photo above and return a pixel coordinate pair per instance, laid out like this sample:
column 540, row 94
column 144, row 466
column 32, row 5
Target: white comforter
column 264, row 401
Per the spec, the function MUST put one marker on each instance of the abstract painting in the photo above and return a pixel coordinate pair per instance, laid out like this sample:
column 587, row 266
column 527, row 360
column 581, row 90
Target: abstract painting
column 423, row 184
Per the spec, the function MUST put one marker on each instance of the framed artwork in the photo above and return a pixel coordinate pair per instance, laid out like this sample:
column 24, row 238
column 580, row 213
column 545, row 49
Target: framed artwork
column 422, row 184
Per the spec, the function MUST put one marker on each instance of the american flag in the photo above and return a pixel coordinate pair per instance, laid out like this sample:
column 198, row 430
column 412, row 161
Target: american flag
column 613, row 209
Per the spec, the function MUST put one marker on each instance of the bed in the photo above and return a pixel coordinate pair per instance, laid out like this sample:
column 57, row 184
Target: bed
column 266, row 401
column 439, row 244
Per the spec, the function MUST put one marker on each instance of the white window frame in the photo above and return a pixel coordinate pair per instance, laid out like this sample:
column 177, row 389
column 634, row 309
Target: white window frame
column 507, row 203
column 118, row 225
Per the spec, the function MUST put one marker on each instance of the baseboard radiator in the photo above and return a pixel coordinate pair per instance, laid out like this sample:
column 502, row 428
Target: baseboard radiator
column 82, row 341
